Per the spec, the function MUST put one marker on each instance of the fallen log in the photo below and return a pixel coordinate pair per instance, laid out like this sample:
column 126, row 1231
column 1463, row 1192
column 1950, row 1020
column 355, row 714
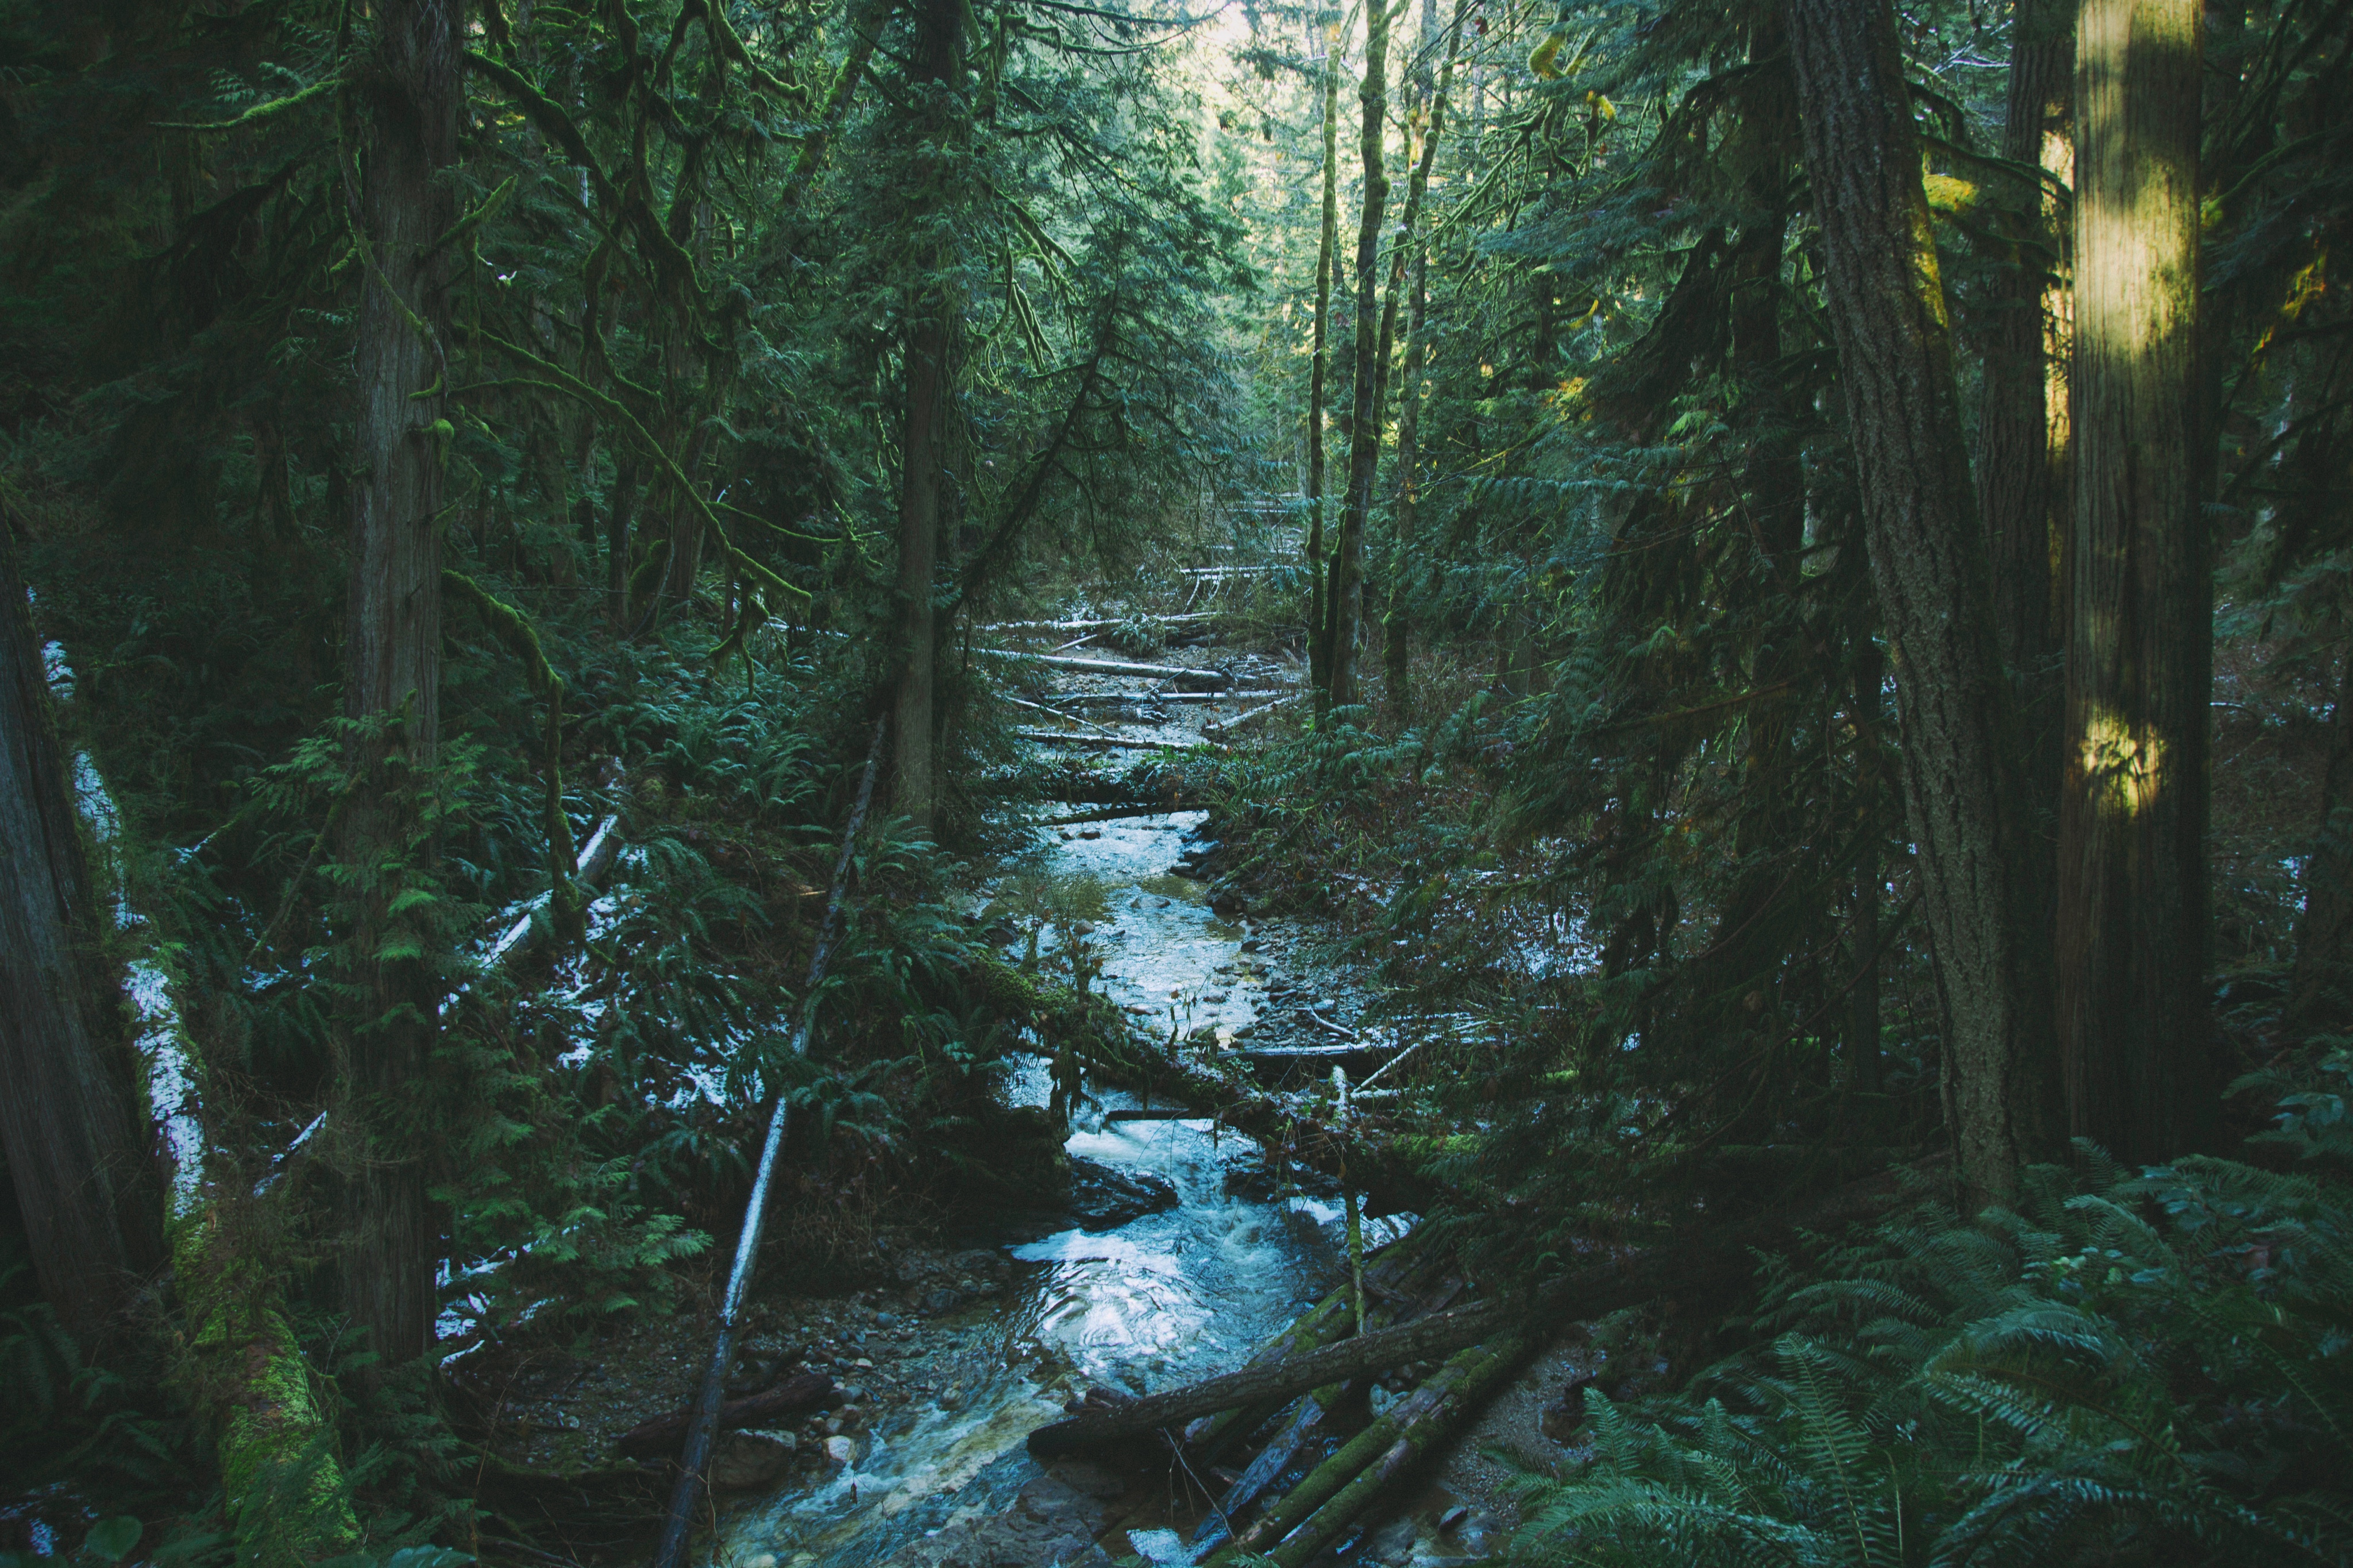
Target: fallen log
column 1098, row 626
column 1154, row 698
column 1239, row 719
column 1201, row 680
column 1271, row 1462
column 1712, row 1260
column 802, row 1392
column 1278, row 1380
column 1102, row 742
column 1315, row 1512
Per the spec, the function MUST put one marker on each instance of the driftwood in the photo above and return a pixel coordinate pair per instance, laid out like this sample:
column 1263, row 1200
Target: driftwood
column 1102, row 625
column 1712, row 1260
column 1271, row 1462
column 663, row 1433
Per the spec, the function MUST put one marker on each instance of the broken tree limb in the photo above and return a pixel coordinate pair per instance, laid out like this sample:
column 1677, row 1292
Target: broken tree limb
column 1097, row 625
column 1271, row 1462
column 1239, row 719
column 663, row 1433
column 1711, row 1260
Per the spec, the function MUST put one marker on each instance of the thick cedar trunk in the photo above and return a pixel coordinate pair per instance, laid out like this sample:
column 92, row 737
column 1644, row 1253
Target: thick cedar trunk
column 923, row 446
column 1345, row 600
column 1397, row 637
column 392, row 657
column 69, row 1122
column 1319, row 372
column 2133, row 927
column 1928, row 565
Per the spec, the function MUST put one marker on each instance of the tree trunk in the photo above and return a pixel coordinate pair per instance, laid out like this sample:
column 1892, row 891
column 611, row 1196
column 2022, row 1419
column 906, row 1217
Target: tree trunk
column 393, row 663
column 2023, row 477
column 1929, row 568
column 2318, row 995
column 68, row 1121
column 1345, row 600
column 2133, row 927
column 1319, row 373
column 1396, row 625
column 617, row 543
column 938, row 66
column 2025, row 487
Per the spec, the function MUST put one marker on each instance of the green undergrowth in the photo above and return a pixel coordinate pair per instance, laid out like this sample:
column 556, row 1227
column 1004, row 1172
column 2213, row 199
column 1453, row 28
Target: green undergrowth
column 2151, row 1367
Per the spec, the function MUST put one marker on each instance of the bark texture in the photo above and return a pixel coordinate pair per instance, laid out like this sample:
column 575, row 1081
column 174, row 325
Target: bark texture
column 411, row 90
column 1928, row 565
column 1320, row 370
column 69, row 1118
column 1345, row 609
column 924, row 447
column 2133, row 923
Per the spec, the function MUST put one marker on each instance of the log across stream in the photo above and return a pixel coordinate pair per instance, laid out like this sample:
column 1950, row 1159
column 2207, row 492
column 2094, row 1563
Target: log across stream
column 1198, row 1288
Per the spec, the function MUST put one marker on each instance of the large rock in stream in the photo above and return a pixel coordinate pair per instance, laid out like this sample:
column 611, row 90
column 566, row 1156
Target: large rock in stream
column 1103, row 1197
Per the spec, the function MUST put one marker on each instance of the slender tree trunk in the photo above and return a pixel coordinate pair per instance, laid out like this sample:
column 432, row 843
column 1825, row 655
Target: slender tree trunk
column 393, row 661
column 2319, row 993
column 2133, row 925
column 1871, row 783
column 2021, row 471
column 69, row 1119
column 1397, row 635
column 616, row 543
column 1319, row 373
column 1929, row 567
column 1344, row 600
column 2025, row 487
column 938, row 66
column 865, row 30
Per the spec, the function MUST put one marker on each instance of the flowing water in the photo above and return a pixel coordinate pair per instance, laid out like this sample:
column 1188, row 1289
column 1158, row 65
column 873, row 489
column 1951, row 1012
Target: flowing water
column 1160, row 1301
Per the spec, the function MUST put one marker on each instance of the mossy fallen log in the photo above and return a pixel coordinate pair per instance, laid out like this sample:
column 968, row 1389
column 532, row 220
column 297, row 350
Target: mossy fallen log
column 1705, row 1262
column 1314, row 1513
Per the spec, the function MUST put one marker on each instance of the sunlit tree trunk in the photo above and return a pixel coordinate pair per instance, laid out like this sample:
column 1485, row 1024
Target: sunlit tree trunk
column 393, row 660
column 2133, row 922
column 937, row 71
column 1929, row 566
column 1319, row 373
column 1345, row 598
column 68, row 1121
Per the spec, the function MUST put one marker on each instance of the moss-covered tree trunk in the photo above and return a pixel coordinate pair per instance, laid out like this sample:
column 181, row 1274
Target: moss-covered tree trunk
column 2133, row 906
column 1345, row 600
column 69, row 1119
column 1928, row 564
column 411, row 92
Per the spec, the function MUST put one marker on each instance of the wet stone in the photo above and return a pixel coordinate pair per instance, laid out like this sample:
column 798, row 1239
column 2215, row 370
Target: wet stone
column 745, row 1459
column 1103, row 1198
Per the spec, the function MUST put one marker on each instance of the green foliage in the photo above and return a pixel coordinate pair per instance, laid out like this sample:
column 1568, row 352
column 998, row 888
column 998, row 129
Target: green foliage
column 2152, row 1370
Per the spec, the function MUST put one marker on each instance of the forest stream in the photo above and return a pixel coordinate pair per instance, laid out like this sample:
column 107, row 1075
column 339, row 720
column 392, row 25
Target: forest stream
column 1184, row 1291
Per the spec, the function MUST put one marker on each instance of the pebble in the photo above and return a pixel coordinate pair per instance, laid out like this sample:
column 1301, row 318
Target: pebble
column 1453, row 1515
column 840, row 1451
